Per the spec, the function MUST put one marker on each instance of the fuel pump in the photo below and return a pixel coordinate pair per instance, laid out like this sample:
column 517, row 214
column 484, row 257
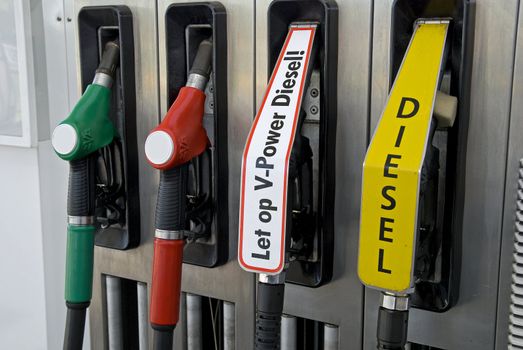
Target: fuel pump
column 286, row 197
column 410, row 243
column 77, row 139
column 170, row 147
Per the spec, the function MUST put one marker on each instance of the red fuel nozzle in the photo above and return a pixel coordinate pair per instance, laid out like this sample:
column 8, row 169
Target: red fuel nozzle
column 179, row 138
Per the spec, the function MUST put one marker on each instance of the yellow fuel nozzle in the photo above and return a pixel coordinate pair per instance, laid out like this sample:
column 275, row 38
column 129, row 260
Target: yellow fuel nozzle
column 392, row 170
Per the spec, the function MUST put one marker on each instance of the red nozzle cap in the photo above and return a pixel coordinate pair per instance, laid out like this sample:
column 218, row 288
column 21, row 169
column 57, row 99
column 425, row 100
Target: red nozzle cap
column 180, row 136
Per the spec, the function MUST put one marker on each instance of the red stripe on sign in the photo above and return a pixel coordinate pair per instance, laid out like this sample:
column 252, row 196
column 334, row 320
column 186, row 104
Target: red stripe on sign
column 289, row 148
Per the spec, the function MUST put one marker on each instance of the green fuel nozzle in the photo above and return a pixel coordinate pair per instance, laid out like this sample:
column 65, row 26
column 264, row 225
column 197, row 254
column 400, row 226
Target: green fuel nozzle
column 88, row 127
column 86, row 130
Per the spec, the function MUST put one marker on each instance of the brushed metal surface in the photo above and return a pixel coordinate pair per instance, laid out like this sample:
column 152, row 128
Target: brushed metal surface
column 471, row 323
column 229, row 325
column 143, row 315
column 194, row 321
column 330, row 337
column 340, row 301
column 134, row 264
column 289, row 332
column 227, row 282
column 515, row 152
column 114, row 312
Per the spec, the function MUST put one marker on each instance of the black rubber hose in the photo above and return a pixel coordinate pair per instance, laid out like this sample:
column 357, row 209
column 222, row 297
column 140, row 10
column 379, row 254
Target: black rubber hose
column 268, row 316
column 81, row 192
column 170, row 206
column 392, row 328
column 163, row 338
column 75, row 326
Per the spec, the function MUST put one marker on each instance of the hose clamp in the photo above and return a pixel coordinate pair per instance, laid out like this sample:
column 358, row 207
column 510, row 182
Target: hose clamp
column 170, row 235
column 272, row 279
column 197, row 81
column 395, row 302
column 80, row 220
column 103, row 80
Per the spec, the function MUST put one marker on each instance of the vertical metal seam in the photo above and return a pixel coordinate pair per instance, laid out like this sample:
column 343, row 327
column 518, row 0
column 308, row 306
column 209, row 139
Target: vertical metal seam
column 507, row 144
column 367, row 140
column 158, row 88
column 66, row 40
column 254, row 71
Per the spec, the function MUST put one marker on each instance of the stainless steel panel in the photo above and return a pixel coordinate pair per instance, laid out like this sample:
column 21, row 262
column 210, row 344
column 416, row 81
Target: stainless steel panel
column 515, row 152
column 227, row 282
column 113, row 290
column 330, row 337
column 343, row 296
column 194, row 321
column 289, row 332
column 471, row 323
column 229, row 325
column 134, row 264
column 143, row 316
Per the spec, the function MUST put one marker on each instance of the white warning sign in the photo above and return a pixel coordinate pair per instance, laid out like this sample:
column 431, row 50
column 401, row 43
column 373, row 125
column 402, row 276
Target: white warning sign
column 263, row 196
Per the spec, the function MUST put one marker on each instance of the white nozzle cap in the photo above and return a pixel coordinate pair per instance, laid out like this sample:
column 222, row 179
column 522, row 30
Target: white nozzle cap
column 64, row 139
column 159, row 147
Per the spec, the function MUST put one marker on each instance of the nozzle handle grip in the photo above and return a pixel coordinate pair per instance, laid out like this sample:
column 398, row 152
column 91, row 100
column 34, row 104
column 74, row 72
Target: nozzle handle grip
column 268, row 316
column 170, row 205
column 81, row 191
column 166, row 283
column 168, row 253
column 79, row 263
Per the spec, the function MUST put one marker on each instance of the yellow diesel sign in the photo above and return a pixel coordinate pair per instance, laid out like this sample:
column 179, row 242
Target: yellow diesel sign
column 392, row 168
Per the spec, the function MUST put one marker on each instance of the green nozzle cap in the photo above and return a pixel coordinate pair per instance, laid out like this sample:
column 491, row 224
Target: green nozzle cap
column 88, row 127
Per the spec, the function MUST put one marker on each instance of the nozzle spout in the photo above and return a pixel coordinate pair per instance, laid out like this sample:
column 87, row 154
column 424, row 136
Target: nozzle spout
column 107, row 67
column 201, row 67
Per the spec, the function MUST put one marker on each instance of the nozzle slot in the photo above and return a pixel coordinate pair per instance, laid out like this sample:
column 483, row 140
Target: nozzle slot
column 440, row 209
column 187, row 25
column 117, row 190
column 310, row 235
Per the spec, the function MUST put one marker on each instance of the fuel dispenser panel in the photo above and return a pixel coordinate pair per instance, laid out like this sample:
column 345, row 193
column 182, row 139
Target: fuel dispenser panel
column 189, row 147
column 413, row 187
column 438, row 259
column 98, row 139
column 117, row 199
column 287, row 185
column 311, row 194
column 186, row 25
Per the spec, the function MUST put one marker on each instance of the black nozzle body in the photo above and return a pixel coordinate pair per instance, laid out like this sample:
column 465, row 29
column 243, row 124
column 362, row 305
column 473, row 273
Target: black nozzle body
column 110, row 58
column 203, row 60
column 81, row 193
column 268, row 316
column 392, row 328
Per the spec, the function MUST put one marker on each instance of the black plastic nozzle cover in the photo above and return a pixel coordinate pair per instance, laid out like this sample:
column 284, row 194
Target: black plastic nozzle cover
column 268, row 316
column 392, row 328
column 203, row 60
column 110, row 58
